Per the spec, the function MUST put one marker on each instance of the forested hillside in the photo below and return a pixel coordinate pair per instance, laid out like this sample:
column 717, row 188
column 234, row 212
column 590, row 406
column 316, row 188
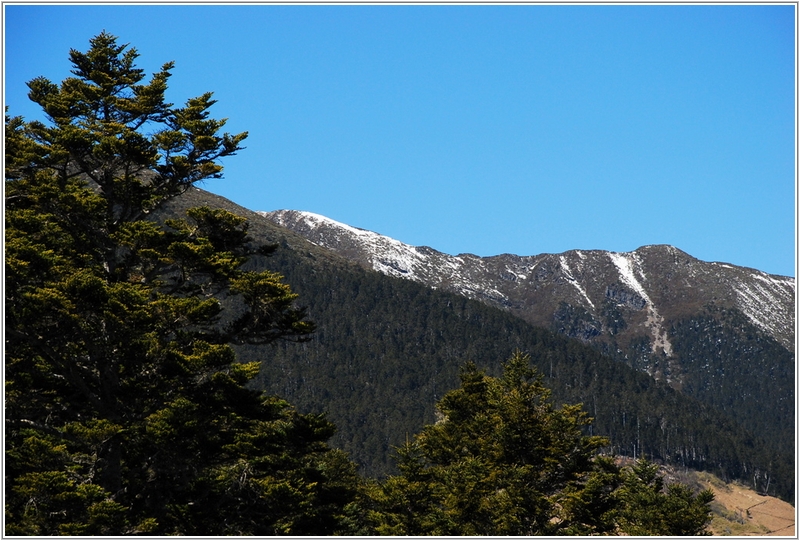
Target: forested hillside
column 386, row 349
column 738, row 370
column 720, row 333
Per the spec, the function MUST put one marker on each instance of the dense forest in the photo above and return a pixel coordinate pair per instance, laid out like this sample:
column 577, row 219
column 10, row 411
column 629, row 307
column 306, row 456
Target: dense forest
column 163, row 379
column 387, row 349
column 722, row 351
column 369, row 324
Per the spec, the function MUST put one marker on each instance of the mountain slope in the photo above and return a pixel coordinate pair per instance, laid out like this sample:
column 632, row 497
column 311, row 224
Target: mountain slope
column 719, row 333
column 386, row 349
column 649, row 285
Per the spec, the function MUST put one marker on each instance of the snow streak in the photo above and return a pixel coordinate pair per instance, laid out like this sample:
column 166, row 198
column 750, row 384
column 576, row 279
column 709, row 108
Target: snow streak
column 624, row 264
column 572, row 280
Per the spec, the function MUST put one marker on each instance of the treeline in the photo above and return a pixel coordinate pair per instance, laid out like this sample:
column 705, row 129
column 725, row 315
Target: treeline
column 129, row 412
column 385, row 350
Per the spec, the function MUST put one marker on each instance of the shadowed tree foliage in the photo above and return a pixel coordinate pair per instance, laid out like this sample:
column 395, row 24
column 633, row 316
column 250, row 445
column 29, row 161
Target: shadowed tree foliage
column 651, row 508
column 126, row 412
column 503, row 461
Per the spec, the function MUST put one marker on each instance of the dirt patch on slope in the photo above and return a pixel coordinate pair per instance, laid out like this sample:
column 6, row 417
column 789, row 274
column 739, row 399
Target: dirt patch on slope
column 740, row 511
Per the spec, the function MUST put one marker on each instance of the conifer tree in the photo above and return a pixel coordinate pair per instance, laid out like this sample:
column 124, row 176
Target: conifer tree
column 126, row 411
column 504, row 461
column 648, row 507
column 497, row 463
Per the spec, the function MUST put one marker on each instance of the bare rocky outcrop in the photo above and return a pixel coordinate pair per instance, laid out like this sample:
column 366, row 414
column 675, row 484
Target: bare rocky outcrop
column 650, row 287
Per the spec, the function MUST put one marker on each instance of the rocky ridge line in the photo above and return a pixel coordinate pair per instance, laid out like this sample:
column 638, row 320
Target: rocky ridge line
column 659, row 282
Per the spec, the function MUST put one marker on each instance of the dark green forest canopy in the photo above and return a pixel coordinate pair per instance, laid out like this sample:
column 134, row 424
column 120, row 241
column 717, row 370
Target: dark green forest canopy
column 387, row 349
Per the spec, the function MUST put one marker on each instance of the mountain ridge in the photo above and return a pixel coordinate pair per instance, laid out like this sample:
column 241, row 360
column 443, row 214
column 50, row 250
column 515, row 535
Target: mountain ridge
column 506, row 280
column 386, row 349
column 713, row 331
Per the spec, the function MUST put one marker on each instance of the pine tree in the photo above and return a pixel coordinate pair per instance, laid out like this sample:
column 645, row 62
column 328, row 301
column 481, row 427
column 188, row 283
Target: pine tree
column 498, row 463
column 648, row 507
column 126, row 411
column 504, row 461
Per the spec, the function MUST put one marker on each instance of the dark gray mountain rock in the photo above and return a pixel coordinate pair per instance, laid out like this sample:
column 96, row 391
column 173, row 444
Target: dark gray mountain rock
column 716, row 332
column 645, row 289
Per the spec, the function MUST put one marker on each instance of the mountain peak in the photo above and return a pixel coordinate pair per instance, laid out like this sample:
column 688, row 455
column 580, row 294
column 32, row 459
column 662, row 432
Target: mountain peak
column 579, row 292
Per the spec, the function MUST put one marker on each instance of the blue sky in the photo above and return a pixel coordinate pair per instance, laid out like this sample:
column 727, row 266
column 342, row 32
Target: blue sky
column 484, row 129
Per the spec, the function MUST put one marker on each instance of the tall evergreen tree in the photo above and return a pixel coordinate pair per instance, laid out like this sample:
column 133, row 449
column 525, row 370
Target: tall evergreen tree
column 497, row 463
column 126, row 411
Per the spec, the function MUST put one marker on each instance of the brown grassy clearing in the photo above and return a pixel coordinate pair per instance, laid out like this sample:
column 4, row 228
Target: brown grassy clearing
column 739, row 511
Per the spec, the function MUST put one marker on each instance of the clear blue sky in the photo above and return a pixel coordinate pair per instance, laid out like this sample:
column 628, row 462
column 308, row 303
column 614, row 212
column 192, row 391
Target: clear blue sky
column 481, row 129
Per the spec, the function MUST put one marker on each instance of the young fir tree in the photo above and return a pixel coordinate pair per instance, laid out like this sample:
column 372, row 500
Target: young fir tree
column 126, row 412
column 504, row 461
column 651, row 508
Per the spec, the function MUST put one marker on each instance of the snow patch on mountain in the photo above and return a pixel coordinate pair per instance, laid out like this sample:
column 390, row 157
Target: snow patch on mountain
column 758, row 297
column 529, row 285
column 395, row 258
column 625, row 264
column 391, row 256
column 573, row 281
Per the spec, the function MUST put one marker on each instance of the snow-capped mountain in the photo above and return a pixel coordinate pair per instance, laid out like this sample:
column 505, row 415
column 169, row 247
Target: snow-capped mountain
column 385, row 348
column 598, row 296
